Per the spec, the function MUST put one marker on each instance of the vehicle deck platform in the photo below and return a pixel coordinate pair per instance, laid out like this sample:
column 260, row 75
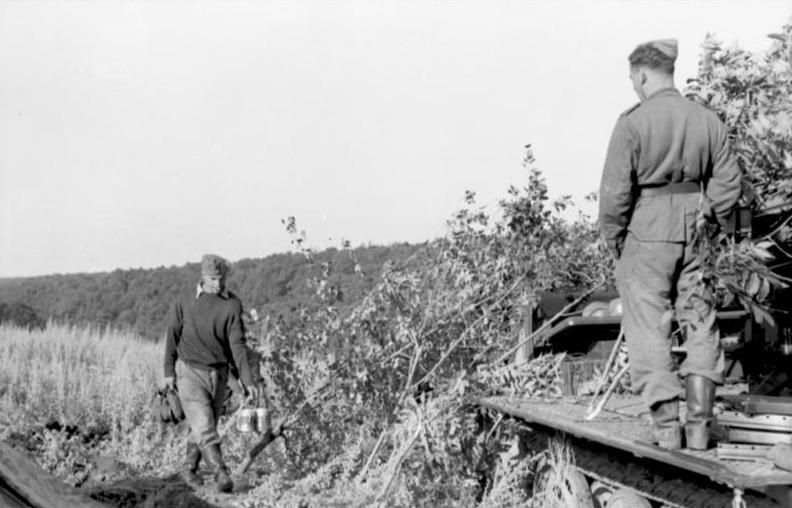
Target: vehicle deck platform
column 625, row 424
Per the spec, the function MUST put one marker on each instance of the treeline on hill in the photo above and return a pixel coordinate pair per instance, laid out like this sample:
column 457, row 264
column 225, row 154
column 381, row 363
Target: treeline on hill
column 139, row 299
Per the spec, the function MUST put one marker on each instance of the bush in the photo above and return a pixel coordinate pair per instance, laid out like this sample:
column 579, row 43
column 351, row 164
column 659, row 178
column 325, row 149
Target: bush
column 21, row 315
column 752, row 93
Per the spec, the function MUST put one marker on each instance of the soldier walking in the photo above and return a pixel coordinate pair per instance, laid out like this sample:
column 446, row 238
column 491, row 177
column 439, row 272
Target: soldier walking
column 668, row 163
column 205, row 335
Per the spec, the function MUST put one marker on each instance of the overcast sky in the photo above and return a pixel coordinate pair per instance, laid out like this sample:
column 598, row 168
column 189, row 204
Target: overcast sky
column 146, row 133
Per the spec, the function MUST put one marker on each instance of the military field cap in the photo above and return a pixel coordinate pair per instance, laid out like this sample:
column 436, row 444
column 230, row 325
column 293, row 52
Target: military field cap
column 213, row 266
column 668, row 47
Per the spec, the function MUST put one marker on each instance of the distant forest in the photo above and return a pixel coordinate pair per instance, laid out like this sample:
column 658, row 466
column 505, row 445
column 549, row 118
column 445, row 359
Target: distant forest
column 139, row 299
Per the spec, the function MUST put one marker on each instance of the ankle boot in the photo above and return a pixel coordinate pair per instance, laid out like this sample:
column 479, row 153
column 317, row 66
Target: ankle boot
column 191, row 460
column 667, row 432
column 214, row 458
column 700, row 398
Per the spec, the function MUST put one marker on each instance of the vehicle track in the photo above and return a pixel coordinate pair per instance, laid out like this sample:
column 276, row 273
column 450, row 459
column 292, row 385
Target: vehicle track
column 660, row 483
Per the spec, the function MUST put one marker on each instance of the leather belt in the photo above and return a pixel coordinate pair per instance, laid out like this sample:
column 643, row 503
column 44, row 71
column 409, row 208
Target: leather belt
column 670, row 188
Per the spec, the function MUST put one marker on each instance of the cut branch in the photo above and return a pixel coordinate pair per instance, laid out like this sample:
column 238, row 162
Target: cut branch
column 464, row 333
column 396, row 467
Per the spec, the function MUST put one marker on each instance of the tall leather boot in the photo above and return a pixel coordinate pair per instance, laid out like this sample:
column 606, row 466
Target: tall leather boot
column 667, row 431
column 700, row 398
column 191, row 460
column 214, row 457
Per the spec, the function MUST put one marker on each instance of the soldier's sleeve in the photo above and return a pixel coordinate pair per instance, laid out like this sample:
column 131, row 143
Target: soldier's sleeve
column 725, row 182
column 616, row 195
column 236, row 340
column 172, row 338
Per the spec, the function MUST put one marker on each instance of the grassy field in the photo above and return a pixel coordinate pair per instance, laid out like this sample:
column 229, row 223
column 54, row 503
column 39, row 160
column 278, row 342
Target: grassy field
column 75, row 395
column 95, row 379
column 78, row 398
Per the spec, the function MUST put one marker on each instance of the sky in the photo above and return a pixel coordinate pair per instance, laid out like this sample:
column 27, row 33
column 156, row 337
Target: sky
column 144, row 133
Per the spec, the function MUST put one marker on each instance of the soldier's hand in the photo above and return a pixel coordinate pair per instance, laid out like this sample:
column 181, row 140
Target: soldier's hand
column 616, row 249
column 169, row 382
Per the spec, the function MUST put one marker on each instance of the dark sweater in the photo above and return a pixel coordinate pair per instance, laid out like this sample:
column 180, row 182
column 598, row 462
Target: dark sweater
column 206, row 331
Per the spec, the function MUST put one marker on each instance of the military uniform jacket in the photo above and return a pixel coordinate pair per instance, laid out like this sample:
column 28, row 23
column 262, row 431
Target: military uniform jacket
column 665, row 139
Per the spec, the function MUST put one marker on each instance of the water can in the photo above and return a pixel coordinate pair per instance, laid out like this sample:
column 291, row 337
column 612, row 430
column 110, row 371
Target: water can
column 246, row 421
column 262, row 420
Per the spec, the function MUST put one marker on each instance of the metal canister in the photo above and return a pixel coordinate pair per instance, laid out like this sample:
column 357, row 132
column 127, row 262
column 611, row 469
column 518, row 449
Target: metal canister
column 262, row 420
column 786, row 342
column 246, row 421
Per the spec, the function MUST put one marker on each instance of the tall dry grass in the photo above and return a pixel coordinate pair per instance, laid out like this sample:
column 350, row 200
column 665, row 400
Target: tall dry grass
column 560, row 484
column 70, row 394
column 80, row 376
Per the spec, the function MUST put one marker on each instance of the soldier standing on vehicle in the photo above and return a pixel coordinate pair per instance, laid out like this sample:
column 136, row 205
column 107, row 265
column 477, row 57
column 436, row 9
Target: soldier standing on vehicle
column 668, row 165
column 205, row 336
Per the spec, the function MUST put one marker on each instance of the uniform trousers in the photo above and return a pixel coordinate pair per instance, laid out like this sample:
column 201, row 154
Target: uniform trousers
column 657, row 282
column 202, row 392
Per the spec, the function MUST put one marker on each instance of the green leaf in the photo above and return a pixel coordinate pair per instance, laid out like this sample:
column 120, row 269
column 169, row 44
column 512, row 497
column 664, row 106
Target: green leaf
column 761, row 253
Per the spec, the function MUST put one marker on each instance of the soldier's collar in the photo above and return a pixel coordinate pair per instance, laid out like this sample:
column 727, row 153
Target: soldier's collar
column 670, row 90
column 199, row 289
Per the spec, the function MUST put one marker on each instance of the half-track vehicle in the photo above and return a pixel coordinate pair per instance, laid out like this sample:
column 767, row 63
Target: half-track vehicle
column 614, row 450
